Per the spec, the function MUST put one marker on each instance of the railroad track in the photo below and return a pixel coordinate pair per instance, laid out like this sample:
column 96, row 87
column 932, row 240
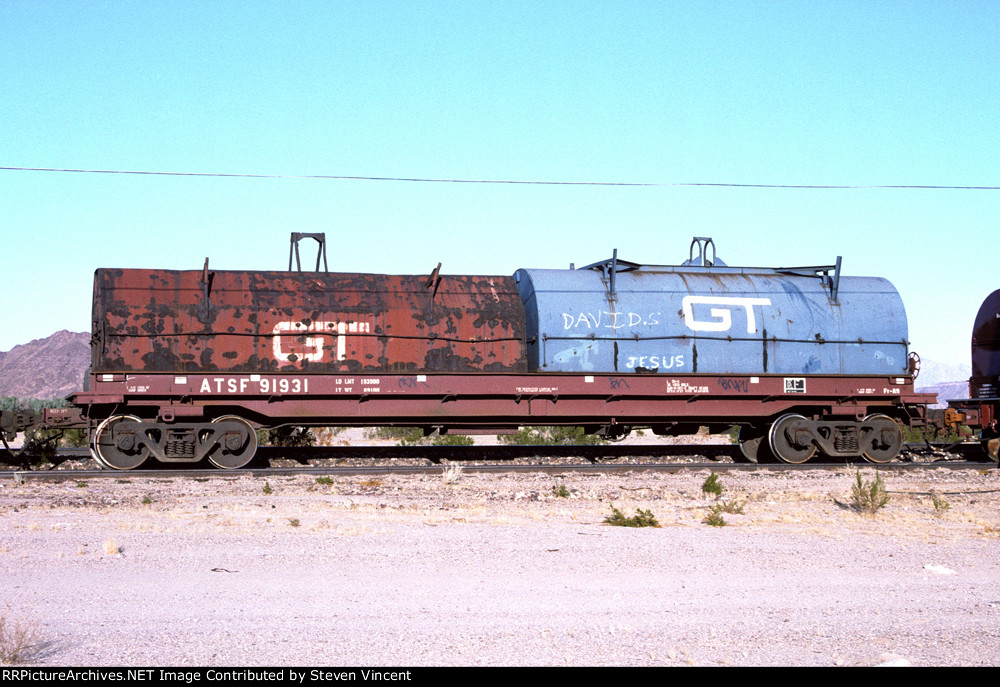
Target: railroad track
column 504, row 452
column 347, row 460
column 442, row 454
column 554, row 469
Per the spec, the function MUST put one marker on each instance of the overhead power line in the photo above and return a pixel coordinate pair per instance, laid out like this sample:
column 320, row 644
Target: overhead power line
column 533, row 182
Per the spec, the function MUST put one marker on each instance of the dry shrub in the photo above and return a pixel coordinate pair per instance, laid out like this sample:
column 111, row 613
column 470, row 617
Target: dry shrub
column 940, row 505
column 20, row 640
column 452, row 474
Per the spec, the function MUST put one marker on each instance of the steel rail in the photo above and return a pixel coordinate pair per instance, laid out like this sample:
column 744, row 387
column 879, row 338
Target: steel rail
column 387, row 467
column 361, row 470
column 500, row 452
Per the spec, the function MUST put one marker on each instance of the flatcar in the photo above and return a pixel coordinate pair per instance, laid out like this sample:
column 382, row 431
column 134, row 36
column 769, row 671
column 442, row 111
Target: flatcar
column 806, row 362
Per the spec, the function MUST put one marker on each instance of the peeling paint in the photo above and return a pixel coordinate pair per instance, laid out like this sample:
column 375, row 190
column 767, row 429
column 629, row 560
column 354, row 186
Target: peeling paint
column 172, row 321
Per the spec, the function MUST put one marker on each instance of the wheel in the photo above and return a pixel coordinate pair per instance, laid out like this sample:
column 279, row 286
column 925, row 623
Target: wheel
column 753, row 444
column 116, row 445
column 790, row 439
column 884, row 440
column 93, row 453
column 991, row 447
column 237, row 446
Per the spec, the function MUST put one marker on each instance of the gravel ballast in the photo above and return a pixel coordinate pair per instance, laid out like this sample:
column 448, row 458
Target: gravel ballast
column 499, row 570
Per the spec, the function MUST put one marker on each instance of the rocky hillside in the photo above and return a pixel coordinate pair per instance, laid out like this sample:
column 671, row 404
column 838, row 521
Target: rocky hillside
column 948, row 381
column 933, row 373
column 945, row 391
column 52, row 367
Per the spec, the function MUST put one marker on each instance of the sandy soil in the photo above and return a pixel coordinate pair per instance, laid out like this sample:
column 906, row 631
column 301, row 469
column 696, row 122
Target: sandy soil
column 501, row 570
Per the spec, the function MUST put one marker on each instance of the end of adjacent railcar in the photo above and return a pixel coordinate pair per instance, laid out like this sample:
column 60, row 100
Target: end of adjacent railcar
column 982, row 409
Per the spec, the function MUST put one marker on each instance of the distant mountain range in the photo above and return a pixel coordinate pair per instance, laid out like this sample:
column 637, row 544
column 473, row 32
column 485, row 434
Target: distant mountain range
column 946, row 391
column 945, row 380
column 54, row 367
column 932, row 373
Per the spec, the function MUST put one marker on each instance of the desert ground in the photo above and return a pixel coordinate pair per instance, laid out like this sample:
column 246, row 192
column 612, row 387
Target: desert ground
column 458, row 568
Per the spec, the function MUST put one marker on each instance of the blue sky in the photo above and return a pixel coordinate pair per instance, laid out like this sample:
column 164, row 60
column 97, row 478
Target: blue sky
column 807, row 93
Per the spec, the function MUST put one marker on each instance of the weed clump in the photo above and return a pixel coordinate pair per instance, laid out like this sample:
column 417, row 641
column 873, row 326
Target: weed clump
column 326, row 481
column 869, row 496
column 289, row 437
column 267, row 488
column 550, row 436
column 940, row 505
column 712, row 485
column 405, row 436
column 714, row 515
column 733, row 507
column 560, row 491
column 414, row 436
column 714, row 519
column 642, row 518
column 452, row 474
column 452, row 440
